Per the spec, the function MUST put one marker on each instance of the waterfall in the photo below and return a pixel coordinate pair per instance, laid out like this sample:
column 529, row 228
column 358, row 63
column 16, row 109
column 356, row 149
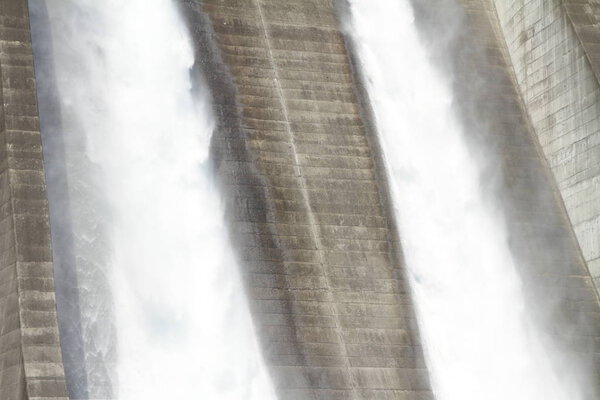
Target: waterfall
column 150, row 301
column 479, row 340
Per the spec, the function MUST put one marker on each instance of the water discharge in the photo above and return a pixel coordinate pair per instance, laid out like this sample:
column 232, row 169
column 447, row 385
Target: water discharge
column 479, row 340
column 153, row 307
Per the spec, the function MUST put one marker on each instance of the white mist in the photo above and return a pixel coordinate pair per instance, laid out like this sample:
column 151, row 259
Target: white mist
column 478, row 339
column 181, row 320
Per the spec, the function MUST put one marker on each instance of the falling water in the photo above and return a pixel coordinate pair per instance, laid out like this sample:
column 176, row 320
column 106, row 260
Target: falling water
column 156, row 299
column 479, row 341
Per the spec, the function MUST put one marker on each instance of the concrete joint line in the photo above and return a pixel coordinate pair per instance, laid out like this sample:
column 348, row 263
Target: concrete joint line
column 305, row 197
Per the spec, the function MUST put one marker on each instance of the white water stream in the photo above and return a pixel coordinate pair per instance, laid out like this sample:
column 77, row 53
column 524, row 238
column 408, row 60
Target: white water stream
column 137, row 143
column 479, row 340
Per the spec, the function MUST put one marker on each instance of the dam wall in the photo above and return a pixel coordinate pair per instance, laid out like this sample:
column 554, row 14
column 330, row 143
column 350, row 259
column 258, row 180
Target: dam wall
column 311, row 225
column 307, row 200
column 30, row 355
column 554, row 48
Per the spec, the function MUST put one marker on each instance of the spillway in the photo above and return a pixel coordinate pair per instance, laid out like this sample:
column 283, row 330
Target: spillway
column 149, row 298
column 471, row 125
column 480, row 337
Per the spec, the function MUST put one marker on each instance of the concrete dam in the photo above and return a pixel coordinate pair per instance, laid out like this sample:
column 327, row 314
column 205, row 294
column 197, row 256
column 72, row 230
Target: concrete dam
column 300, row 199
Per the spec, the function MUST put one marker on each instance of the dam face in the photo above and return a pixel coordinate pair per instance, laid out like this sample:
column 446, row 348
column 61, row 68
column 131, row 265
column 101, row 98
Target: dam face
column 308, row 205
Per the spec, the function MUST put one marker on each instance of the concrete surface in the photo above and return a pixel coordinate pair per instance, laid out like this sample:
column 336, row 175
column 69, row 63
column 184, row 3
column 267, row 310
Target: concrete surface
column 30, row 356
column 312, row 229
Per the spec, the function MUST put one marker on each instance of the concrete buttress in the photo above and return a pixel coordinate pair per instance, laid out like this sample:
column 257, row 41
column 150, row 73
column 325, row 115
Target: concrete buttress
column 312, row 225
column 30, row 355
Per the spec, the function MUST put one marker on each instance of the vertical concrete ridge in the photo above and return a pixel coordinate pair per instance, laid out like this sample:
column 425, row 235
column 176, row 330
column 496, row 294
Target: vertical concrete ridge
column 304, row 202
column 311, row 217
column 31, row 360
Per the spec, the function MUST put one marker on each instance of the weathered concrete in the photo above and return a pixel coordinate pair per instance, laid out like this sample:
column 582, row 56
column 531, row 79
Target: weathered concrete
column 325, row 279
column 30, row 356
column 556, row 74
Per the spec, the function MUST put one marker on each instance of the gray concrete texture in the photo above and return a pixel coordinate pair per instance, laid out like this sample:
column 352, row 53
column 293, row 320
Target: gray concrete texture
column 30, row 356
column 296, row 161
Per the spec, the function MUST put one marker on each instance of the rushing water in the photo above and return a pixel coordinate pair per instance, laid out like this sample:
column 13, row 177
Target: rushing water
column 150, row 302
column 479, row 340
